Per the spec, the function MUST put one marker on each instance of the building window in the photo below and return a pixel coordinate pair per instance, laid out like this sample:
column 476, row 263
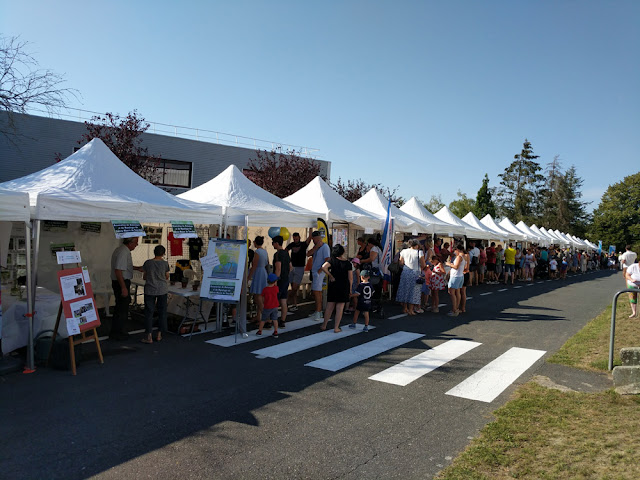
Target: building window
column 173, row 173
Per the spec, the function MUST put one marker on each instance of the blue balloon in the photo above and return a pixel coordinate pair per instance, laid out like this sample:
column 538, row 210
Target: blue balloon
column 274, row 231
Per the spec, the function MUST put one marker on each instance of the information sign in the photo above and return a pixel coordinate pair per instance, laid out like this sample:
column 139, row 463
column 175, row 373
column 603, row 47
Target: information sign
column 223, row 270
column 183, row 229
column 127, row 228
column 78, row 306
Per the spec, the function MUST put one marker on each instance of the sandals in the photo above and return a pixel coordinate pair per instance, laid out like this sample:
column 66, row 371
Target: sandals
column 159, row 337
column 146, row 339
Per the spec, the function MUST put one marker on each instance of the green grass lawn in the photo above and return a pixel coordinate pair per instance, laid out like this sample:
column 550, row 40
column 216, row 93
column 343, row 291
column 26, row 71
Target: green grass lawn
column 547, row 434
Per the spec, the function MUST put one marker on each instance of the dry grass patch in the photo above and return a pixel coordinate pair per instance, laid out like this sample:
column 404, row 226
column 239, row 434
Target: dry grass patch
column 589, row 348
column 547, row 434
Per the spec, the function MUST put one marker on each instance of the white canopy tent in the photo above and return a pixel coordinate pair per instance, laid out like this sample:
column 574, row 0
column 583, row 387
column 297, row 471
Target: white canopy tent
column 531, row 234
column 414, row 208
column 507, row 225
column 472, row 220
column 562, row 236
column 448, row 216
column 374, row 202
column 549, row 239
column 318, row 195
column 488, row 221
column 553, row 236
column 14, row 206
column 239, row 196
column 94, row 185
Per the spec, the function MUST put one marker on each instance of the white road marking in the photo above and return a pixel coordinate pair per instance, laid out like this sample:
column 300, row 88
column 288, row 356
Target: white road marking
column 503, row 289
column 230, row 340
column 444, row 304
column 343, row 359
column 304, row 343
column 398, row 316
column 469, row 298
column 491, row 380
column 415, row 367
column 518, row 286
column 486, row 293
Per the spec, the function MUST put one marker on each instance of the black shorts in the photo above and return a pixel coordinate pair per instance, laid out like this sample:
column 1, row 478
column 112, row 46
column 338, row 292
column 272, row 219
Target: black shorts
column 466, row 279
column 283, row 289
column 491, row 267
column 473, row 268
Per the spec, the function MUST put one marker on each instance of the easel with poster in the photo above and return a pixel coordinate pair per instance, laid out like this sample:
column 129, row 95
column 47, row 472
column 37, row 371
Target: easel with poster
column 77, row 305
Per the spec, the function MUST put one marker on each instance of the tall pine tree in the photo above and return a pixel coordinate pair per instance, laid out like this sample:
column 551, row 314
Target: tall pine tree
column 484, row 201
column 521, row 187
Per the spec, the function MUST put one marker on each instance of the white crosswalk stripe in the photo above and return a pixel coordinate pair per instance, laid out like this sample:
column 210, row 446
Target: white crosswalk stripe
column 491, row 380
column 304, row 343
column 230, row 340
column 415, row 367
column 348, row 357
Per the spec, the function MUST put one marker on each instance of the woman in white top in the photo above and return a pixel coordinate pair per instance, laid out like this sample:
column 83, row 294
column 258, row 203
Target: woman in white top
column 409, row 290
column 632, row 276
column 456, row 279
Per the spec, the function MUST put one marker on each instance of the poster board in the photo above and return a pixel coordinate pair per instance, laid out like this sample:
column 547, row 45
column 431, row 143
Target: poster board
column 223, row 270
column 78, row 305
column 127, row 228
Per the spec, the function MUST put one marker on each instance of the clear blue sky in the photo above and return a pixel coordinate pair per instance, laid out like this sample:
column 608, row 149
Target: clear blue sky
column 422, row 94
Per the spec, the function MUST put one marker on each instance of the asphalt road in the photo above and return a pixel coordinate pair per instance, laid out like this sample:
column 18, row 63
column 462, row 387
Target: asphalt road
column 195, row 410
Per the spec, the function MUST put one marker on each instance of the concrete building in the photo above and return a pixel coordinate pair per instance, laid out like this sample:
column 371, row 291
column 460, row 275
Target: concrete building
column 186, row 162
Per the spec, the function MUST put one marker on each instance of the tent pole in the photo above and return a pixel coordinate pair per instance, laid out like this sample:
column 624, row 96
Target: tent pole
column 30, row 368
column 36, row 254
column 241, row 321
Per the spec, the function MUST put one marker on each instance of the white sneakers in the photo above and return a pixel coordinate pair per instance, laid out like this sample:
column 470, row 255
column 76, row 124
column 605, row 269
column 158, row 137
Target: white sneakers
column 317, row 316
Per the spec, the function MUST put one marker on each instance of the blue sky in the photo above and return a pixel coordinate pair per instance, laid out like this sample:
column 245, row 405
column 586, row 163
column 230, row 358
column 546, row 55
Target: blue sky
column 428, row 96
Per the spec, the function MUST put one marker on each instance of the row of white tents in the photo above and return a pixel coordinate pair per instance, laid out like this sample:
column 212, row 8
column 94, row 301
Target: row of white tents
column 94, row 185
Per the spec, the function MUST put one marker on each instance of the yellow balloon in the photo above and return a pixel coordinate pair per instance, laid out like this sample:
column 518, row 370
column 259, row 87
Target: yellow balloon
column 284, row 233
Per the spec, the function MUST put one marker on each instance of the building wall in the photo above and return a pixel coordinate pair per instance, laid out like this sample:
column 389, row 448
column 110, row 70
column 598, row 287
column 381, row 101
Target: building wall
column 38, row 139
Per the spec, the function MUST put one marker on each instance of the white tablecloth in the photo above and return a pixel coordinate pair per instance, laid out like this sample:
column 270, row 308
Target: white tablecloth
column 15, row 326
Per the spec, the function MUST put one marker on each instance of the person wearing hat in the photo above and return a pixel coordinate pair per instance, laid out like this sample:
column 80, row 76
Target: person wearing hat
column 320, row 254
column 270, row 303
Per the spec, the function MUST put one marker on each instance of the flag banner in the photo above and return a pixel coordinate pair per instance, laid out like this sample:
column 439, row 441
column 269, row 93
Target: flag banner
column 387, row 243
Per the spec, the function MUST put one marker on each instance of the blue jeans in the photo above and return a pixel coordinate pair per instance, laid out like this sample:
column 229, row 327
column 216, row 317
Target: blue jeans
column 151, row 302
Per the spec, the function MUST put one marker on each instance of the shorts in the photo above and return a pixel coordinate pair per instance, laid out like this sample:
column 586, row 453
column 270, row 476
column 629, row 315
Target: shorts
column 270, row 314
column 363, row 307
column 318, row 280
column 283, row 289
column 466, row 279
column 498, row 269
column 456, row 282
column 482, row 269
column 473, row 268
column 491, row 267
column 296, row 274
column 425, row 289
column 509, row 268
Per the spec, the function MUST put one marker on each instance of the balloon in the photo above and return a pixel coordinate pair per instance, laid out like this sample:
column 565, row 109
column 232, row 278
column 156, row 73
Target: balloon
column 284, row 233
column 274, row 231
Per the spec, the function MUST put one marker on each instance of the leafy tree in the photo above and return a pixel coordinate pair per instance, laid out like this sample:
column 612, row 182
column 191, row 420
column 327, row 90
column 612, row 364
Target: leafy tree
column 616, row 220
column 123, row 136
column 521, row 186
column 434, row 204
column 24, row 85
column 281, row 173
column 484, row 201
column 462, row 205
column 353, row 190
column 572, row 194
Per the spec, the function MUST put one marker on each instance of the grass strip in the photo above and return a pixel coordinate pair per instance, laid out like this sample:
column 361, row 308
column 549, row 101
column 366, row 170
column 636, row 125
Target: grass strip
column 589, row 348
column 548, row 434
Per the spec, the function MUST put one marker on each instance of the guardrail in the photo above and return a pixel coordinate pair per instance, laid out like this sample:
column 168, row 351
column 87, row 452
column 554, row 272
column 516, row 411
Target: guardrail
column 613, row 322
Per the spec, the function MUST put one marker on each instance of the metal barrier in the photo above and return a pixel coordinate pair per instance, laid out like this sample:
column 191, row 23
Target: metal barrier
column 613, row 322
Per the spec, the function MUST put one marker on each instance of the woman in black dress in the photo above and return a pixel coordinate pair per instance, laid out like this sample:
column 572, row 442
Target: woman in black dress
column 338, row 271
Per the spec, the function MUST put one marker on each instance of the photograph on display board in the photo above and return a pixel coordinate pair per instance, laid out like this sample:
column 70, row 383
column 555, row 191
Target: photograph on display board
column 84, row 311
column 73, row 287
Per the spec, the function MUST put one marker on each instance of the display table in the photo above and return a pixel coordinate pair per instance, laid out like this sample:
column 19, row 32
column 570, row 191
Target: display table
column 15, row 326
column 184, row 302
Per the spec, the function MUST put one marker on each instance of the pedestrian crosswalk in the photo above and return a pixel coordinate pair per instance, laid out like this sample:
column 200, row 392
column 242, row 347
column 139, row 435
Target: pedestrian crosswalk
column 483, row 385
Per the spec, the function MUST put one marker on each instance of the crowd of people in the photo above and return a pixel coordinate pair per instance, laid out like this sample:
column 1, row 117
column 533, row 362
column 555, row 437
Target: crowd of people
column 419, row 273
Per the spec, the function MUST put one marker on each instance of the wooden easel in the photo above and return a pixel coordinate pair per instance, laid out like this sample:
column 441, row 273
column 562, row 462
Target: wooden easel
column 83, row 337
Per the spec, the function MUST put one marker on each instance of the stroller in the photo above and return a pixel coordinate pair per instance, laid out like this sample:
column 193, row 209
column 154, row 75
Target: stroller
column 542, row 269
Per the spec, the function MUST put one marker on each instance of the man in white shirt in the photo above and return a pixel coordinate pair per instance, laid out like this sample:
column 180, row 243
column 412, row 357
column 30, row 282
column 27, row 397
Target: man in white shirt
column 632, row 276
column 627, row 258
